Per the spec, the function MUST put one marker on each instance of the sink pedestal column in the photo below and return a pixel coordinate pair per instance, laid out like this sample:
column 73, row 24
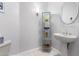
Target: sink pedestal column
column 63, row 48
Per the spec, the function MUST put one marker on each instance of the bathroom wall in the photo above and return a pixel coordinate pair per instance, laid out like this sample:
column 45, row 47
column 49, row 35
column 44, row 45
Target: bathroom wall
column 58, row 26
column 9, row 25
column 30, row 24
column 55, row 7
column 23, row 29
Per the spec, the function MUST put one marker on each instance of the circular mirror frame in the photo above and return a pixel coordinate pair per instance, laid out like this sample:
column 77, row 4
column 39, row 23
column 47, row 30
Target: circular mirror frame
column 61, row 14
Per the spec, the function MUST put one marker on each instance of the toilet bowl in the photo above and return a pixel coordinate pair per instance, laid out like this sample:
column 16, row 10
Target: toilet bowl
column 4, row 48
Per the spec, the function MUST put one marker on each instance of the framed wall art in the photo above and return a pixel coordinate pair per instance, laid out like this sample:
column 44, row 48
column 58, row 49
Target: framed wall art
column 1, row 7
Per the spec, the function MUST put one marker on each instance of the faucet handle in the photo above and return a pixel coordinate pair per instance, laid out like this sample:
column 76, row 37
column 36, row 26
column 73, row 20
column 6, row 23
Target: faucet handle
column 65, row 33
column 70, row 34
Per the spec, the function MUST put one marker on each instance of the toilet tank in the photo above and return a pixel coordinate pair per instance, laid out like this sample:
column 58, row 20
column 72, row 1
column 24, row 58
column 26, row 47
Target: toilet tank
column 5, row 48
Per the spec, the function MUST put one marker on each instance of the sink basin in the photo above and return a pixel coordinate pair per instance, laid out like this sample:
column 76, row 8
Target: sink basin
column 65, row 37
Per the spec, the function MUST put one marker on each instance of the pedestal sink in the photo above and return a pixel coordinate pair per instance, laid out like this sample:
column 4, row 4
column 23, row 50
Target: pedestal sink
column 64, row 37
column 65, row 40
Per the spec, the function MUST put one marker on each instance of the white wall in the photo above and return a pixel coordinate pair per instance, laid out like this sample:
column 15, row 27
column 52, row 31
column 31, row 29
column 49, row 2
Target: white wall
column 9, row 25
column 55, row 7
column 28, row 37
column 30, row 25
column 58, row 26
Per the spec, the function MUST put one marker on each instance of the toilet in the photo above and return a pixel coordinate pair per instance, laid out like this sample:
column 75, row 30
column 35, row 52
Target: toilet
column 5, row 48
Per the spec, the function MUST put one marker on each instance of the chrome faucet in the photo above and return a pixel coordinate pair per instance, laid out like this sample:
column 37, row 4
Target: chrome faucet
column 67, row 33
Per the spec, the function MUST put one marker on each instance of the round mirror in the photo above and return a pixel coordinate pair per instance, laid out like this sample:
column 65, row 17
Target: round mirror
column 69, row 12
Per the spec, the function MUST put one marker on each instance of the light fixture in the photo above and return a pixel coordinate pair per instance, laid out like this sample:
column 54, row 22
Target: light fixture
column 36, row 9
